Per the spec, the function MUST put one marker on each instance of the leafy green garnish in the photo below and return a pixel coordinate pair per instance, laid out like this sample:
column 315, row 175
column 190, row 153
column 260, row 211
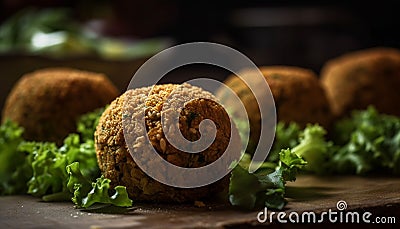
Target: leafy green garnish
column 290, row 163
column 99, row 194
column 14, row 170
column 286, row 136
column 364, row 143
column 57, row 173
column 266, row 186
column 87, row 193
column 87, row 123
column 369, row 142
column 83, row 152
column 314, row 149
column 77, row 180
column 49, row 166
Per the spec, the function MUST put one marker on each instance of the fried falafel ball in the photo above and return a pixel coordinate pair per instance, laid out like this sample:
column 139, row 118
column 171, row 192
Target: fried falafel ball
column 297, row 93
column 48, row 102
column 117, row 164
column 366, row 77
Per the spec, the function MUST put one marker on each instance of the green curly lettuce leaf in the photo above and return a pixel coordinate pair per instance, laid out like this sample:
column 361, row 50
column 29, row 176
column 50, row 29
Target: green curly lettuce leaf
column 39, row 168
column 48, row 166
column 314, row 149
column 57, row 173
column 14, row 169
column 87, row 124
column 290, row 164
column 266, row 186
column 49, row 179
column 286, row 136
column 369, row 142
column 83, row 152
column 99, row 194
column 86, row 193
column 77, row 179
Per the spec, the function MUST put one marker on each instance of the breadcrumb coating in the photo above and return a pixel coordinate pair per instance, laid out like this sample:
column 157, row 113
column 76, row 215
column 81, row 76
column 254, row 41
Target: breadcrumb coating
column 48, row 102
column 114, row 158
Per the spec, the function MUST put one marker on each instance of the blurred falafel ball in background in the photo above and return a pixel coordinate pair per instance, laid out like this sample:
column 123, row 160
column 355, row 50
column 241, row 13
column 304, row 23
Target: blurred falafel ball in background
column 117, row 164
column 48, row 102
column 367, row 77
column 297, row 92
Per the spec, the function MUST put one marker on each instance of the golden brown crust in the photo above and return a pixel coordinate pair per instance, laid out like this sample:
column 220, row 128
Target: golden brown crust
column 297, row 93
column 48, row 102
column 117, row 164
column 358, row 79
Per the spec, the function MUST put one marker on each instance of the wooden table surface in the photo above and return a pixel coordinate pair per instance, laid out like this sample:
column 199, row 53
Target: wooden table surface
column 378, row 195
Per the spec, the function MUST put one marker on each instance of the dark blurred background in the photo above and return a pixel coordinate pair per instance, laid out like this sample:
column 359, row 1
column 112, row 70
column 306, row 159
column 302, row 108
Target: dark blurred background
column 300, row 33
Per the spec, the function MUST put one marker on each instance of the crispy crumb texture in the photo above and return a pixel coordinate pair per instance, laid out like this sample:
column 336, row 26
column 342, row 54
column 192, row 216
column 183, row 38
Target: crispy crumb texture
column 117, row 164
